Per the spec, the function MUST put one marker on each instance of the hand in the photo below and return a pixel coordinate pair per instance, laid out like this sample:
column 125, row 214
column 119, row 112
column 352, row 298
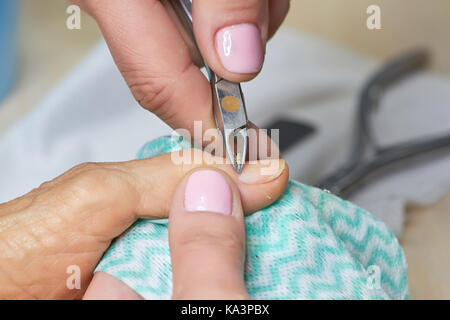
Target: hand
column 73, row 219
column 156, row 62
column 207, row 243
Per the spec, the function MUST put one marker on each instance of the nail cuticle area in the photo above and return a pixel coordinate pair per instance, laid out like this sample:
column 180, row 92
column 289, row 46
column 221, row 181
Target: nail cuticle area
column 261, row 172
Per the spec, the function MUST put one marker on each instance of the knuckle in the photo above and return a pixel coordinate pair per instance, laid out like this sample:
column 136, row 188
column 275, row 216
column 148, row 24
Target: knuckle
column 91, row 181
column 86, row 167
column 92, row 174
column 156, row 93
column 151, row 93
column 86, row 181
column 76, row 184
column 44, row 186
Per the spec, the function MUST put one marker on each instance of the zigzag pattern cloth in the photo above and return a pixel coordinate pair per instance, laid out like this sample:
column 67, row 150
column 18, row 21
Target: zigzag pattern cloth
column 307, row 245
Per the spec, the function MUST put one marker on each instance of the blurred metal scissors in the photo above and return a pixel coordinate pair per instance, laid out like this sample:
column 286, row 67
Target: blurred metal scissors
column 367, row 155
column 228, row 100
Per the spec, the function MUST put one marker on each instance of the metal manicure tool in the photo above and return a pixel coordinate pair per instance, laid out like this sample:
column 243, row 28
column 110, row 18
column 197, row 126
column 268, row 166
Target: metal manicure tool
column 228, row 100
column 367, row 155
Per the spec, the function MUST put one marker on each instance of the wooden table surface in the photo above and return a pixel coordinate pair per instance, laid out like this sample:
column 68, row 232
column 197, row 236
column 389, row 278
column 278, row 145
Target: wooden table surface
column 426, row 242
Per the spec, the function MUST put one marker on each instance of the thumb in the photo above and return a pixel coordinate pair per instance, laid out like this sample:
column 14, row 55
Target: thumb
column 232, row 36
column 207, row 238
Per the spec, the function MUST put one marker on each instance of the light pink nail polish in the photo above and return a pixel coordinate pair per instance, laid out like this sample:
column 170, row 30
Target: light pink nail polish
column 208, row 190
column 240, row 48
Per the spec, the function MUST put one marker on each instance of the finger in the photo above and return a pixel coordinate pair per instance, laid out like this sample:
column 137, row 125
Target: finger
column 206, row 237
column 106, row 287
column 232, row 35
column 144, row 188
column 149, row 50
column 278, row 10
column 72, row 219
column 260, row 183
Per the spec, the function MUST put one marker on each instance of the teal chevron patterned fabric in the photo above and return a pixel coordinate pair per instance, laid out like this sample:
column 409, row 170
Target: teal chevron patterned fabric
column 308, row 245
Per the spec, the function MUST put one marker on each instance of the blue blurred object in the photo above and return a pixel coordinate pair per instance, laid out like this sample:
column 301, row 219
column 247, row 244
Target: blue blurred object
column 8, row 27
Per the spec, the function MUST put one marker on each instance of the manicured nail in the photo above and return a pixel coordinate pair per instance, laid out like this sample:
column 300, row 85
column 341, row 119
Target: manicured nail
column 208, row 190
column 263, row 171
column 240, row 48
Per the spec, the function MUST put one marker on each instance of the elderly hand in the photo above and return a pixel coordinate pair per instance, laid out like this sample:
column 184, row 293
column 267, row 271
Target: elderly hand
column 73, row 219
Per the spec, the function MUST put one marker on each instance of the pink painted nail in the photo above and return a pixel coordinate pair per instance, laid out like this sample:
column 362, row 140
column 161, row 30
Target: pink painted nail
column 208, row 190
column 240, row 48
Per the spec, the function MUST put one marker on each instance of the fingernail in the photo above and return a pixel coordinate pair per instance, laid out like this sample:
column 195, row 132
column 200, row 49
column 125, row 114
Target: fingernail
column 262, row 171
column 208, row 190
column 240, row 48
